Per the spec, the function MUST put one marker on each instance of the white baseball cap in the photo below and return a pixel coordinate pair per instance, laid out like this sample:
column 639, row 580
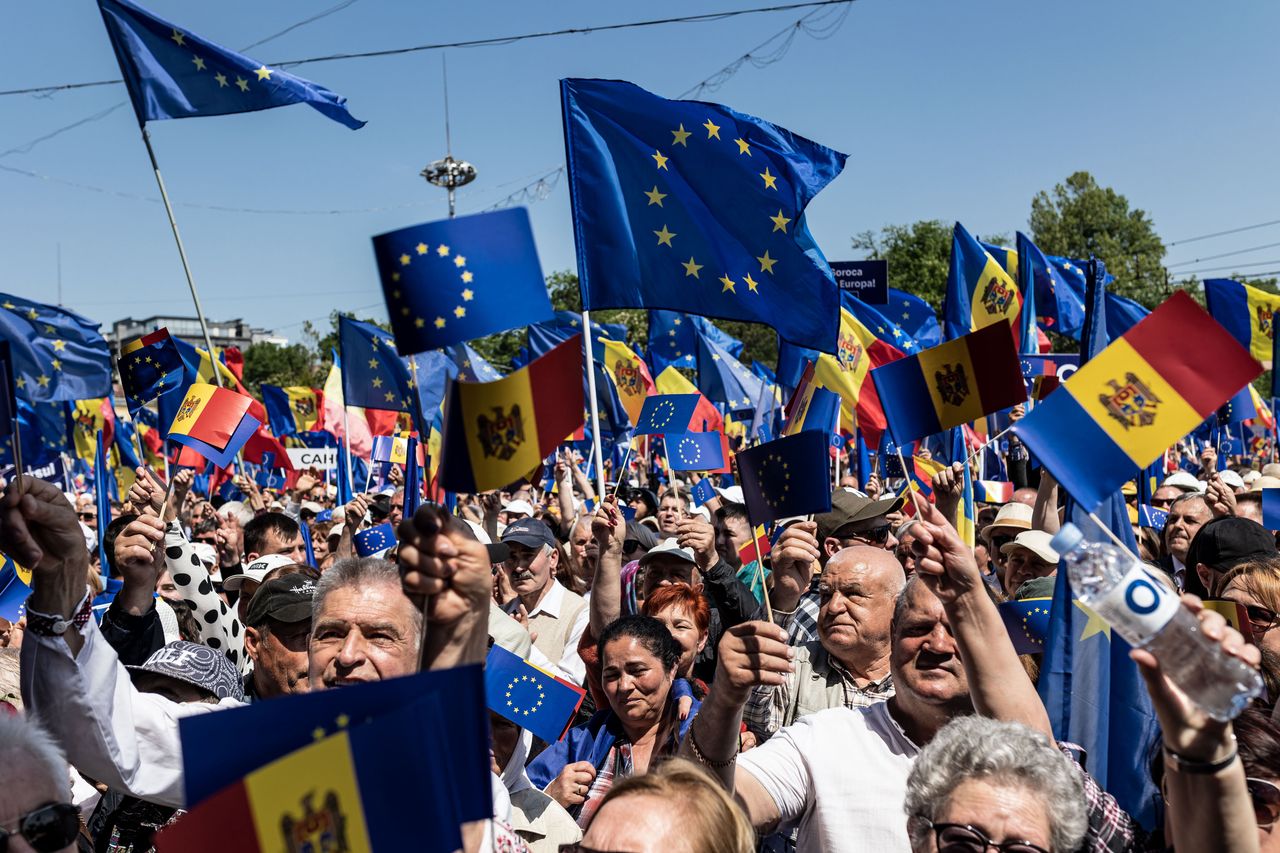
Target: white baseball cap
column 1183, row 480
column 668, row 546
column 257, row 570
column 732, row 494
column 520, row 507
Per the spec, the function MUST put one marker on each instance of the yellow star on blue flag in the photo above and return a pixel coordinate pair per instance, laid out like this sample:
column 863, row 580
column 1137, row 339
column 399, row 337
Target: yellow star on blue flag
column 690, row 206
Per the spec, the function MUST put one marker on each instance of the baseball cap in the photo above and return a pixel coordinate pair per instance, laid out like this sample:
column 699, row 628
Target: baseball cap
column 667, row 546
column 529, row 532
column 285, row 599
column 642, row 534
column 849, row 506
column 731, row 495
column 1231, row 478
column 1183, row 480
column 312, row 507
column 518, row 506
column 197, row 665
column 256, row 571
column 1035, row 541
column 1225, row 543
column 1013, row 517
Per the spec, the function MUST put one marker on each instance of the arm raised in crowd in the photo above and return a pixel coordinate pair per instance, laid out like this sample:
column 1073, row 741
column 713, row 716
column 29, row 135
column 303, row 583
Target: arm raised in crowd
column 608, row 528
column 795, row 558
column 998, row 684
column 1044, row 516
column 732, row 598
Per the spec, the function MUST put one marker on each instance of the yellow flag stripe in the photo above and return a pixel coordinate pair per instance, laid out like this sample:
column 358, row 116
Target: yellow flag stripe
column 951, row 358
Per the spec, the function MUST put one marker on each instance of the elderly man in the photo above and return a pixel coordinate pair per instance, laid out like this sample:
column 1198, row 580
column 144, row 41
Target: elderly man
column 557, row 616
column 1187, row 514
column 849, row 665
column 35, row 803
column 1027, row 557
column 365, row 629
column 840, row 774
column 277, row 627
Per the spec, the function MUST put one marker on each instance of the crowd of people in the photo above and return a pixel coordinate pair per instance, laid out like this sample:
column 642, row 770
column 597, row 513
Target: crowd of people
column 853, row 689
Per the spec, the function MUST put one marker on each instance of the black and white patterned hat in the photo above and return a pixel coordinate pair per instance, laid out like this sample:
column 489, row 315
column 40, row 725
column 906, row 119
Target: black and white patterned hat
column 195, row 664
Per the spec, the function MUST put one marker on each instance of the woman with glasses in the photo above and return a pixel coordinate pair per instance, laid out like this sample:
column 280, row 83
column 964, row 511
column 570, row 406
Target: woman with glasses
column 1255, row 586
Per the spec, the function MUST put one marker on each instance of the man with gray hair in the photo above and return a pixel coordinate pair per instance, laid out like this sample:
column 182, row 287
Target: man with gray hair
column 36, row 812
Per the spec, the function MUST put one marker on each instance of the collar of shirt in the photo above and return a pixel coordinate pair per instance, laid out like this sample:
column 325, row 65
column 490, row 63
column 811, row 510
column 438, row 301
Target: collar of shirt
column 824, row 662
column 552, row 601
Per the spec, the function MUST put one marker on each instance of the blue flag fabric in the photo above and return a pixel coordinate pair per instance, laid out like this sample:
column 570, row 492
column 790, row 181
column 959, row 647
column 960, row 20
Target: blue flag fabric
column 13, row 591
column 1057, row 285
column 1029, row 337
column 544, row 336
column 528, row 696
column 173, row 73
column 1271, row 509
column 471, row 365
column 375, row 539
column 673, row 339
column 1092, row 690
column 45, row 430
column 694, row 451
column 788, row 476
column 374, row 376
column 1122, row 315
column 914, row 316
column 865, row 470
column 345, row 493
column 792, row 360
column 703, row 491
column 412, row 480
column 724, row 379
column 149, row 366
column 1149, row 516
column 662, row 413
column 459, row 279
column 696, row 207
column 57, row 354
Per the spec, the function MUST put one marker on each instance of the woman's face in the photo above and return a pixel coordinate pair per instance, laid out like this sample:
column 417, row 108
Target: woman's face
column 639, row 823
column 635, row 683
column 1262, row 619
column 679, row 622
column 1000, row 812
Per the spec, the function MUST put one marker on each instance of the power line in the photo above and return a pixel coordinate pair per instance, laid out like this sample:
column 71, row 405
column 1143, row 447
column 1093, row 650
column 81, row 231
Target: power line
column 1224, row 255
column 1231, row 267
column 486, row 42
column 1223, row 233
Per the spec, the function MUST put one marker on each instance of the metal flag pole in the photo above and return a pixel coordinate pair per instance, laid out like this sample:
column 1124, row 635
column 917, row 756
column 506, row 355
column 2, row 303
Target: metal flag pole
column 182, row 253
column 595, row 412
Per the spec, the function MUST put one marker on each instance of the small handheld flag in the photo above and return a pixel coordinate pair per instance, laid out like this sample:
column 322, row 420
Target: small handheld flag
column 694, row 451
column 374, row 539
column 992, row 492
column 1271, row 509
column 1027, row 621
column 703, row 492
column 1125, row 406
column 14, row 589
column 666, row 413
column 149, row 366
column 459, row 279
column 173, row 73
column 951, row 384
column 1149, row 516
column 528, row 696
column 788, row 476
column 214, row 422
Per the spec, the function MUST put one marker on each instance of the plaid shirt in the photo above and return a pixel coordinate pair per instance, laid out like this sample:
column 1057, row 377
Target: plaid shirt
column 1111, row 829
column 802, row 624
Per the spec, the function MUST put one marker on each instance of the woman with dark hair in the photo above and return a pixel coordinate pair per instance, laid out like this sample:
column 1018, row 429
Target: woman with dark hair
column 638, row 658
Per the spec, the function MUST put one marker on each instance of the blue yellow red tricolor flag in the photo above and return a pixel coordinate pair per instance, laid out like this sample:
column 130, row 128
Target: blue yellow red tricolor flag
column 293, row 409
column 629, row 373
column 214, row 422
column 1247, row 312
column 951, row 384
column 1122, row 409
column 497, row 432
column 859, row 349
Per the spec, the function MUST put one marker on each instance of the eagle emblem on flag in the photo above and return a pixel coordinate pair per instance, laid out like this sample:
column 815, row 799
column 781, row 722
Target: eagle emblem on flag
column 501, row 435
column 848, row 352
column 318, row 829
column 1133, row 404
column 997, row 296
column 628, row 378
column 1265, row 314
column 952, row 384
column 188, row 408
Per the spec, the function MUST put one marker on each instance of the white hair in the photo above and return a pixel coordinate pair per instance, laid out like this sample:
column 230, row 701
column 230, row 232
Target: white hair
column 239, row 509
column 361, row 572
column 1012, row 754
column 22, row 736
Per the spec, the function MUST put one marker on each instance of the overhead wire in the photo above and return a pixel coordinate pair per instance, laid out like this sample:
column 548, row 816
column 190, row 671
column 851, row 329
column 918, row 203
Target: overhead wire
column 1222, row 255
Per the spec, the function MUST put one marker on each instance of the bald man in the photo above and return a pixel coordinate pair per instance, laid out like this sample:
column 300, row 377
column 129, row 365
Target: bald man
column 849, row 663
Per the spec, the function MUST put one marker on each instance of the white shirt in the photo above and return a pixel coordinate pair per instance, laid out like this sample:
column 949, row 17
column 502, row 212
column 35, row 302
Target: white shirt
column 570, row 664
column 841, row 775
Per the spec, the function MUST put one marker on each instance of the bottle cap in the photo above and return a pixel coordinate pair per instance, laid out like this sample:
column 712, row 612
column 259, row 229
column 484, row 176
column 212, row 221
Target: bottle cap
column 1067, row 538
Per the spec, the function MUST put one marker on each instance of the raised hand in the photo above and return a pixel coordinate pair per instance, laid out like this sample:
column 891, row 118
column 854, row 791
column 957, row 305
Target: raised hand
column 943, row 561
column 795, row 558
column 751, row 654
column 700, row 538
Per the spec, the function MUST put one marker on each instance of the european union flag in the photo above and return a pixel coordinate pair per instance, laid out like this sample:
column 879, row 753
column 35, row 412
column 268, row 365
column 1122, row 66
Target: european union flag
column 786, row 477
column 673, row 339
column 1123, row 314
column 14, row 589
column 694, row 451
column 703, row 491
column 724, row 379
column 471, row 365
column 45, row 428
column 459, row 279
column 57, row 354
column 696, row 207
column 1149, row 516
column 173, row 73
column 1027, row 621
column 664, row 413
column 149, row 366
column 914, row 316
column 544, row 336
column 374, row 376
column 375, row 539
column 528, row 696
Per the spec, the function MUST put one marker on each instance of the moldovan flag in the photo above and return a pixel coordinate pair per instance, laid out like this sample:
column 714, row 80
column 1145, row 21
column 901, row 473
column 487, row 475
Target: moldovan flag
column 629, row 373
column 497, row 432
column 1247, row 312
column 214, row 422
column 1123, row 408
column 980, row 292
column 951, row 384
column 858, row 350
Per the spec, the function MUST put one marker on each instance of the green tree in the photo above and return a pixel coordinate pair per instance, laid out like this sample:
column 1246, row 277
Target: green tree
column 294, row 364
column 918, row 255
column 1079, row 218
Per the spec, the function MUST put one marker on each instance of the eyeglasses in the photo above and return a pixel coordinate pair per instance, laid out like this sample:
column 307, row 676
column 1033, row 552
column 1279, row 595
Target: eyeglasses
column 962, row 838
column 87, row 515
column 1261, row 618
column 1161, row 503
column 579, row 847
column 49, row 828
column 1266, row 801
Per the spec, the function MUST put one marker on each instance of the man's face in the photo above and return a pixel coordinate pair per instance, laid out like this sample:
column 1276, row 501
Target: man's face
column 582, row 545
column 732, row 532
column 87, row 511
column 1185, row 521
column 876, row 532
column 363, row 634
column 1021, row 566
column 529, row 569
column 925, row 659
column 279, row 655
column 397, row 508
column 664, row 570
column 996, row 540
column 166, row 588
column 670, row 511
column 273, row 543
column 856, row 607
column 1165, row 495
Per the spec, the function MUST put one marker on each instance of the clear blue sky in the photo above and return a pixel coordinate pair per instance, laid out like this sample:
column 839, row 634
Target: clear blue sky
column 946, row 110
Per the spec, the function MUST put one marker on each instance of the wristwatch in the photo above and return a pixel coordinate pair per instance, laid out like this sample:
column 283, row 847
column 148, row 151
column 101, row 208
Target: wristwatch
column 56, row 626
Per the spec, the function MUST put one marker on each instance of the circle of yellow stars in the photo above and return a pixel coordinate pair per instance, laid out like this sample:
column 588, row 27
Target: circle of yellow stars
column 262, row 72
column 1026, row 624
column 376, row 382
column 666, row 237
column 664, row 409
column 58, row 345
column 465, row 275
column 516, row 709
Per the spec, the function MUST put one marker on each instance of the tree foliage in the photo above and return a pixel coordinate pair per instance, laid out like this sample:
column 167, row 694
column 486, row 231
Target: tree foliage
column 918, row 255
column 293, row 364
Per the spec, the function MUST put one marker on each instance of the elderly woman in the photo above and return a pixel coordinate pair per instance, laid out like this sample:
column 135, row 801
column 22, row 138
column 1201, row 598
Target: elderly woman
column 981, row 783
column 638, row 656
column 677, row 807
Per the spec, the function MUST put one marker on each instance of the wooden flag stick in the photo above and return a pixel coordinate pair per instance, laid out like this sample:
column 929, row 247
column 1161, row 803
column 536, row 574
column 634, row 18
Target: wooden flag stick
column 17, row 452
column 623, row 470
column 985, row 445
column 915, row 497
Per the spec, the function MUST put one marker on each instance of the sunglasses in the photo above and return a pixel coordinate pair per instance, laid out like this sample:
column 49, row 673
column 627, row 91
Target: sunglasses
column 86, row 515
column 51, row 827
column 961, row 838
column 1260, row 618
column 1266, row 802
column 874, row 536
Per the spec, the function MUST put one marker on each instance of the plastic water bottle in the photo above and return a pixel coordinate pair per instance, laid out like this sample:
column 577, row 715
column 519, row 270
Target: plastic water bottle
column 1149, row 616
